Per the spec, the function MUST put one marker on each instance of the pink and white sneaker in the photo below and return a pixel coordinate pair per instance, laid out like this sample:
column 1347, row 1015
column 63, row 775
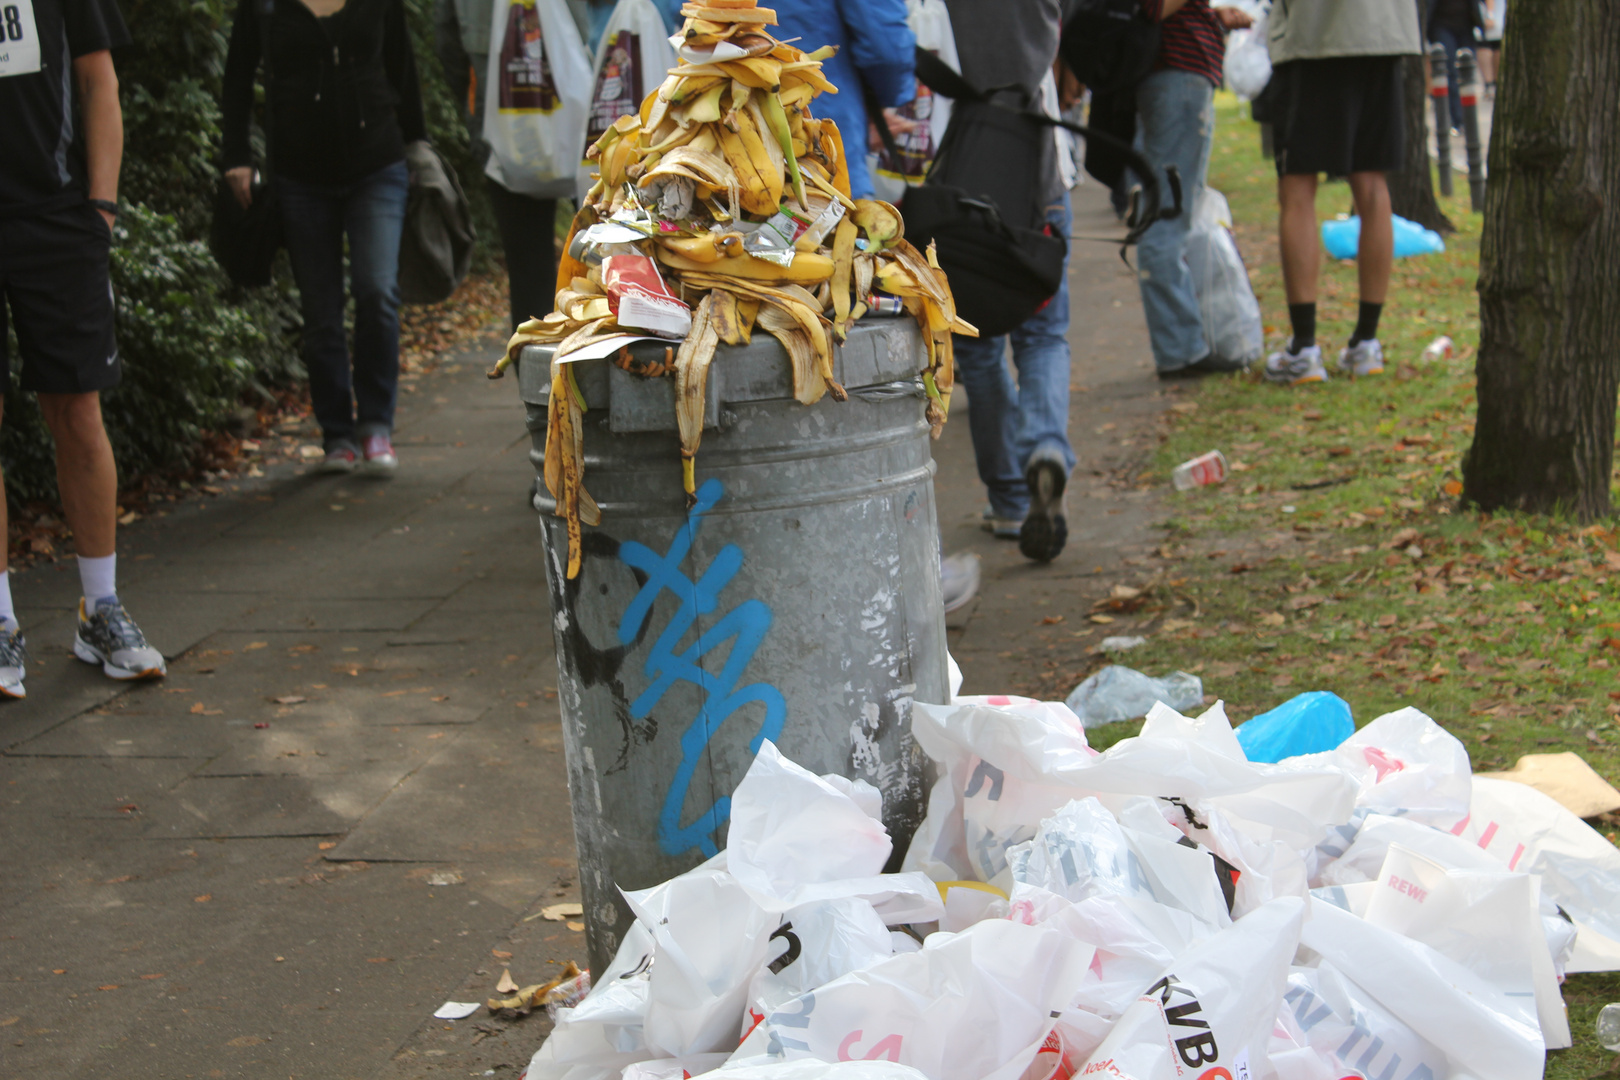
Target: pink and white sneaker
column 380, row 459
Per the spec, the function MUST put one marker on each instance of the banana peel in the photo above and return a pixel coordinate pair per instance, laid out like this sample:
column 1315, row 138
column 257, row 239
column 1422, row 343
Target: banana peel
column 529, row 998
column 843, row 264
column 691, row 377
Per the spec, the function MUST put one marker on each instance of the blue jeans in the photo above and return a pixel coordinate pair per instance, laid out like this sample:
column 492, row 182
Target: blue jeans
column 1176, row 124
column 1010, row 424
column 1454, row 38
column 371, row 212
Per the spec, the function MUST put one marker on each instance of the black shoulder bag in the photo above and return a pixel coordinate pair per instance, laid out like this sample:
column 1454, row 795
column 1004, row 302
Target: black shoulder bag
column 244, row 240
column 982, row 208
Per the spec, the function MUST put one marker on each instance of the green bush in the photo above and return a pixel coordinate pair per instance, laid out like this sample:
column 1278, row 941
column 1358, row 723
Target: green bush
column 193, row 347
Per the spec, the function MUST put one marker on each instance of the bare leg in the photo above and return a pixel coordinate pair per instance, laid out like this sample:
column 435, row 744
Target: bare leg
column 5, row 517
column 85, row 471
column 1375, row 254
column 1296, row 230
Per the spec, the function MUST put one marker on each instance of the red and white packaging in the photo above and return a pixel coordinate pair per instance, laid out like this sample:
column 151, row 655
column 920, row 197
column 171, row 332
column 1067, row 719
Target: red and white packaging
column 1204, row 469
column 640, row 300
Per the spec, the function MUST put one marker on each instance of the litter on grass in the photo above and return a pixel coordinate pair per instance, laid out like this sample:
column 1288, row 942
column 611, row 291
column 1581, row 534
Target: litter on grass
column 1166, row 909
column 1117, row 693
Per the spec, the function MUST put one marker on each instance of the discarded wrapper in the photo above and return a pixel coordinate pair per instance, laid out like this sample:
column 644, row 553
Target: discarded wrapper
column 1204, row 469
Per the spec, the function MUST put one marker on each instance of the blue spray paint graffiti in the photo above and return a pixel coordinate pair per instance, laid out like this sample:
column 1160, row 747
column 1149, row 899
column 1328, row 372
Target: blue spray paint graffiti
column 747, row 622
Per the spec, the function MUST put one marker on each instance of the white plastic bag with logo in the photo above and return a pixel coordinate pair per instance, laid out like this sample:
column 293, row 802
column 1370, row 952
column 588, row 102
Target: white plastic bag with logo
column 1488, row 921
column 536, row 88
column 631, row 61
column 1226, row 300
column 1580, row 870
column 816, row 944
column 1482, row 1032
column 1346, row 1028
column 1213, row 1008
column 970, row 1006
column 811, row 1069
column 928, row 113
column 597, row 1038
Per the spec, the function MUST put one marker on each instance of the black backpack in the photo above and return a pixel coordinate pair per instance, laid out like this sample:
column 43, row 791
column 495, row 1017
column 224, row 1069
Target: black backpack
column 982, row 206
column 1110, row 45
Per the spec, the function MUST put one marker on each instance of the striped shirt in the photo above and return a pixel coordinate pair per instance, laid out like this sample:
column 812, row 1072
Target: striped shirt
column 1190, row 40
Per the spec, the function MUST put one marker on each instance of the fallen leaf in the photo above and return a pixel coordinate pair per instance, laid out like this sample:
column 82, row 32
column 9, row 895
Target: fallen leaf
column 506, row 984
column 377, row 960
column 119, row 880
column 290, row 699
column 203, row 899
column 577, row 927
column 8, row 1021
column 58, row 971
column 1453, row 487
column 1272, row 618
column 1051, row 620
column 250, row 646
column 261, row 725
column 500, row 954
column 327, row 845
column 247, row 1040
column 199, row 709
column 159, row 975
column 441, row 697
column 1387, row 621
column 1401, row 539
column 108, row 986
column 1102, row 620
column 559, row 912
column 1282, row 680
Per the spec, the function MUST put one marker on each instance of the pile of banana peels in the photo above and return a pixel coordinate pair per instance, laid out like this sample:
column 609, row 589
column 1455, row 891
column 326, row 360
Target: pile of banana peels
column 735, row 199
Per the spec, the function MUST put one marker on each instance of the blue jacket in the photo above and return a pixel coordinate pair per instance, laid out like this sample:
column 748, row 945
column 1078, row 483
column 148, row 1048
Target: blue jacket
column 874, row 45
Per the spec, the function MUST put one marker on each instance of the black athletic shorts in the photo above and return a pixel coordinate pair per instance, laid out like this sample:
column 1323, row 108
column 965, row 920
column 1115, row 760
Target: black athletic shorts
column 1339, row 115
column 53, row 278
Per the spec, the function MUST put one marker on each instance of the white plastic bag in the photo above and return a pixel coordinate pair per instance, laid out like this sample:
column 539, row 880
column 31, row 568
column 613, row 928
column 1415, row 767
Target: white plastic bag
column 1231, row 314
column 970, row 1006
column 604, row 1032
column 811, row 1069
column 1480, row 1030
column 1081, row 851
column 930, row 112
column 1248, row 59
column 816, row 944
column 1580, row 870
column 1213, row 1008
column 631, row 61
column 536, row 89
column 1346, row 1028
column 796, row 837
column 1488, row 921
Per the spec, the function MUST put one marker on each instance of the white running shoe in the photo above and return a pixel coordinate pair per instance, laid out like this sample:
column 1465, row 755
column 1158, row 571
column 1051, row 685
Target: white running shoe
column 1294, row 368
column 959, row 579
column 13, row 663
column 109, row 637
column 1365, row 358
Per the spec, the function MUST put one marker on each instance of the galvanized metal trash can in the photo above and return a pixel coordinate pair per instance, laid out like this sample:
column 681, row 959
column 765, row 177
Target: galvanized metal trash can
column 798, row 600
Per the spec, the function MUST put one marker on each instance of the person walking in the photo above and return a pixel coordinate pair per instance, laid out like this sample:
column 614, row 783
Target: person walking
column 1453, row 23
column 1020, row 431
column 61, row 148
column 1175, row 107
column 1340, row 110
column 343, row 101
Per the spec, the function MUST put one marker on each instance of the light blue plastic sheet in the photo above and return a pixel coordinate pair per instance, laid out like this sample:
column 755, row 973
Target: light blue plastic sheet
column 1340, row 238
column 1306, row 724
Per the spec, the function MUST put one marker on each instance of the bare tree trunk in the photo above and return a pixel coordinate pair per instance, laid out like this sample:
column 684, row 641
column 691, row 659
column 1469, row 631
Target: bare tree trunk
column 1549, row 283
column 1411, row 188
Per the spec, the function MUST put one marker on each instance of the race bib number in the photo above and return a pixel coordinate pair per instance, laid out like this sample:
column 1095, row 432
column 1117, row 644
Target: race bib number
column 19, row 41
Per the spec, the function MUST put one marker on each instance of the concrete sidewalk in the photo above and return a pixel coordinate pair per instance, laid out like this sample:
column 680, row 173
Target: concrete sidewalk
column 233, row 873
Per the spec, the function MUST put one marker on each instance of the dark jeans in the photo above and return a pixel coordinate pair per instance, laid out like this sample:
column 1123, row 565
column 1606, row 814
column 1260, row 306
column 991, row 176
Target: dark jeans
column 528, row 236
column 1454, row 38
column 371, row 212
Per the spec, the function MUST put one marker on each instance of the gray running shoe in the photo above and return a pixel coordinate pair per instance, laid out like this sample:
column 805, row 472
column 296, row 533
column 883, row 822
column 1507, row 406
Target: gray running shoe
column 109, row 637
column 1046, row 529
column 13, row 663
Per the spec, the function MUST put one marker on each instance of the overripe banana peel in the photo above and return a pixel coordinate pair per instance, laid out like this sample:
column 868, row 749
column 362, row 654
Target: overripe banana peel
column 691, row 378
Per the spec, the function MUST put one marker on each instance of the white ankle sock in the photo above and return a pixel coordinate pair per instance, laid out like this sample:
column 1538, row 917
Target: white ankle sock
column 98, row 578
column 8, row 615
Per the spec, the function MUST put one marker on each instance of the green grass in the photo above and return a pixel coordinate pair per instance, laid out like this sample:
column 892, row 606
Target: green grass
column 1335, row 557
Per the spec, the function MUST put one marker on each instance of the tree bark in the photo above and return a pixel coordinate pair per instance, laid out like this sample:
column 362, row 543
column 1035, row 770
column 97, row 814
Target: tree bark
column 1411, row 188
column 1549, row 284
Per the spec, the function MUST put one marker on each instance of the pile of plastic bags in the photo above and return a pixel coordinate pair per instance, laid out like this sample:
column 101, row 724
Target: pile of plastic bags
column 1164, row 909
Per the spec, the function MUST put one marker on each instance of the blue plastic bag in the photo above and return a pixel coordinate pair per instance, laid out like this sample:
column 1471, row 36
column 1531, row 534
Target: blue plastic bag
column 1341, row 237
column 1306, row 724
